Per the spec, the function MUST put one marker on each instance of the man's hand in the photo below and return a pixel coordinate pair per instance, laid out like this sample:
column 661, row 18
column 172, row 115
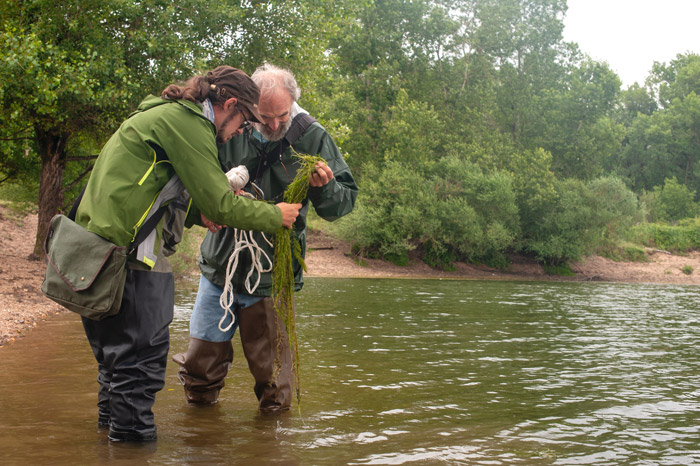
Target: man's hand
column 322, row 176
column 213, row 227
column 289, row 213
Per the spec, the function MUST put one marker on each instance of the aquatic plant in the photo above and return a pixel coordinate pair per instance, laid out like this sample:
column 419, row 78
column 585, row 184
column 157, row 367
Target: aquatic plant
column 286, row 244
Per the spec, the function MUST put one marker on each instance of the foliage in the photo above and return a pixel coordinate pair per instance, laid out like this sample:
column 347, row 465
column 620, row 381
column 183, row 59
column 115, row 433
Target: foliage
column 671, row 202
column 454, row 212
column 563, row 233
column 582, row 218
column 665, row 143
column 680, row 238
column 560, row 270
column 616, row 208
column 474, row 130
column 624, row 252
column 71, row 71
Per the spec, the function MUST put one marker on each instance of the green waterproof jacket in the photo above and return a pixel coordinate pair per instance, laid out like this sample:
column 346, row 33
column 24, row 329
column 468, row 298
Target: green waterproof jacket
column 330, row 202
column 128, row 175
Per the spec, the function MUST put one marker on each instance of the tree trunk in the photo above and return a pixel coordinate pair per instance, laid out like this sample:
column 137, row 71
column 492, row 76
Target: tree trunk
column 52, row 150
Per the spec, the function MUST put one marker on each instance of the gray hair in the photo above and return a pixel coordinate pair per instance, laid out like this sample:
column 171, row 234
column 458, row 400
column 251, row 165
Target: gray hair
column 268, row 77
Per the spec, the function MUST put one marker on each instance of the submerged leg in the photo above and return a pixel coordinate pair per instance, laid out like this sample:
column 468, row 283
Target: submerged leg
column 266, row 348
column 203, row 369
column 133, row 347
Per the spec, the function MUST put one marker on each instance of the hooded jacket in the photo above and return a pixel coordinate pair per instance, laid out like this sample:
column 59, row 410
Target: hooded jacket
column 330, row 202
column 129, row 175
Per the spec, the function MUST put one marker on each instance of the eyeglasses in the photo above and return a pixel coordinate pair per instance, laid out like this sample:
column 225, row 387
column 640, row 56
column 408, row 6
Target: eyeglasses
column 246, row 121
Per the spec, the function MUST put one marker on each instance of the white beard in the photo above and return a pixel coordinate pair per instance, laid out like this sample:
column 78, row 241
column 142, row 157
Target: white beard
column 274, row 135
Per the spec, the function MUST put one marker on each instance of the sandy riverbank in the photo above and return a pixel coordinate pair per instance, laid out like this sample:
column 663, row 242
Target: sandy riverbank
column 22, row 306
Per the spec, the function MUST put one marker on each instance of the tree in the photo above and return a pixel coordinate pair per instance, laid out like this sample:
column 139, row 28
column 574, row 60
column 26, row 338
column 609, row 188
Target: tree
column 672, row 202
column 71, row 71
column 577, row 129
column 666, row 143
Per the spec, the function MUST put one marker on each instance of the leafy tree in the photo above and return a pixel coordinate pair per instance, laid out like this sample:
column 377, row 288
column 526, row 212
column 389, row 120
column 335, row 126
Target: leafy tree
column 616, row 210
column 563, row 233
column 577, row 131
column 671, row 202
column 663, row 145
column 636, row 100
column 71, row 71
column 676, row 79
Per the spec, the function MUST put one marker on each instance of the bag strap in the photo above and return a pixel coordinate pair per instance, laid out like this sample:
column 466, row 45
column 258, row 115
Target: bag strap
column 296, row 129
column 74, row 209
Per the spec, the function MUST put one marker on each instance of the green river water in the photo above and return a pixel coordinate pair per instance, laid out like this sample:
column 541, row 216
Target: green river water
column 403, row 372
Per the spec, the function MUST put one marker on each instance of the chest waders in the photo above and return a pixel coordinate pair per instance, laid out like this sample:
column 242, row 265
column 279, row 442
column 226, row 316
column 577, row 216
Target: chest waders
column 131, row 347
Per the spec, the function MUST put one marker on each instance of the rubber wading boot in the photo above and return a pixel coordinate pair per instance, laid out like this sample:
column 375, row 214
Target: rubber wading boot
column 102, row 421
column 119, row 435
column 203, row 369
column 266, row 348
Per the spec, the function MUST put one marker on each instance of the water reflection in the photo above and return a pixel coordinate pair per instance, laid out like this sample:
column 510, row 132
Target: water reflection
column 405, row 372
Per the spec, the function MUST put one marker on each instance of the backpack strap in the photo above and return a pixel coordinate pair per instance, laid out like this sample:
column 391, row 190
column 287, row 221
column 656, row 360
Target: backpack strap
column 299, row 124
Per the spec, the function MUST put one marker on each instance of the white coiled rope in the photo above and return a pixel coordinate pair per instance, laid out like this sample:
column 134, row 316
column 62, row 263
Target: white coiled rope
column 237, row 179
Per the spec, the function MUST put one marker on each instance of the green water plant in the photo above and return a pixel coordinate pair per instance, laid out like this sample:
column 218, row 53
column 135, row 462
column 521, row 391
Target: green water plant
column 286, row 244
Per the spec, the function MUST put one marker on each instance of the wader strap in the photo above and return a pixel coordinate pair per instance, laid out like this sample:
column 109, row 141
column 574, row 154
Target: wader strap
column 145, row 239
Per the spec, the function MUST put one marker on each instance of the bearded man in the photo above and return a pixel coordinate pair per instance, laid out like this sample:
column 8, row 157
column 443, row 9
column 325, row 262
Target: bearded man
column 266, row 151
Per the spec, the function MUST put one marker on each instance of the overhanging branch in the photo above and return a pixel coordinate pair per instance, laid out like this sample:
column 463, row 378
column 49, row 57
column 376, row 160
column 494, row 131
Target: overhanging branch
column 77, row 179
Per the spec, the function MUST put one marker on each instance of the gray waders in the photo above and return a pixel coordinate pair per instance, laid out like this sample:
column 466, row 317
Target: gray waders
column 131, row 349
column 205, row 364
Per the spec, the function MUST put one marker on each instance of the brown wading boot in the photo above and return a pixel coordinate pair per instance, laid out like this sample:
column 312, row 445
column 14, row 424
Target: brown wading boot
column 258, row 327
column 203, row 369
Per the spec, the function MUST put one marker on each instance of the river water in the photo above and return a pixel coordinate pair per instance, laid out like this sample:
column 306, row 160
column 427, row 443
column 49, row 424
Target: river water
column 414, row 372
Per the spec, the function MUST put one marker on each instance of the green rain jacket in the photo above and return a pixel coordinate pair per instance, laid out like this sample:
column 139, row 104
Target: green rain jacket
column 330, row 202
column 127, row 176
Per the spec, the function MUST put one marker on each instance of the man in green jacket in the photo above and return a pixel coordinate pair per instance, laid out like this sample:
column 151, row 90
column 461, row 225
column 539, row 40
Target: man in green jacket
column 168, row 136
column 269, row 160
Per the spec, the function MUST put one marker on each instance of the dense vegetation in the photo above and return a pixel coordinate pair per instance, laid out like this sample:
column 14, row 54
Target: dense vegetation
column 474, row 130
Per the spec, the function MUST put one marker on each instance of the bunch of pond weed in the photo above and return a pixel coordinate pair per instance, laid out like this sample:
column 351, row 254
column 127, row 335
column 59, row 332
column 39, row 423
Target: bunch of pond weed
column 286, row 244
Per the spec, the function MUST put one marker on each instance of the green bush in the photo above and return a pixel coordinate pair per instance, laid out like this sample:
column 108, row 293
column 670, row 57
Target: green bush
column 563, row 232
column 624, row 253
column 477, row 212
column 390, row 211
column 671, row 202
column 583, row 218
column 683, row 237
column 438, row 256
column 450, row 212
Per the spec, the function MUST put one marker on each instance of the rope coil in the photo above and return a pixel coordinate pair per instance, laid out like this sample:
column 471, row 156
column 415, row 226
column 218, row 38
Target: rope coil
column 237, row 178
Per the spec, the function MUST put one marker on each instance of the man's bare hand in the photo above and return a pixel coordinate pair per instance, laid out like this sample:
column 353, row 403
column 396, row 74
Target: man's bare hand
column 322, row 176
column 289, row 213
column 211, row 226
